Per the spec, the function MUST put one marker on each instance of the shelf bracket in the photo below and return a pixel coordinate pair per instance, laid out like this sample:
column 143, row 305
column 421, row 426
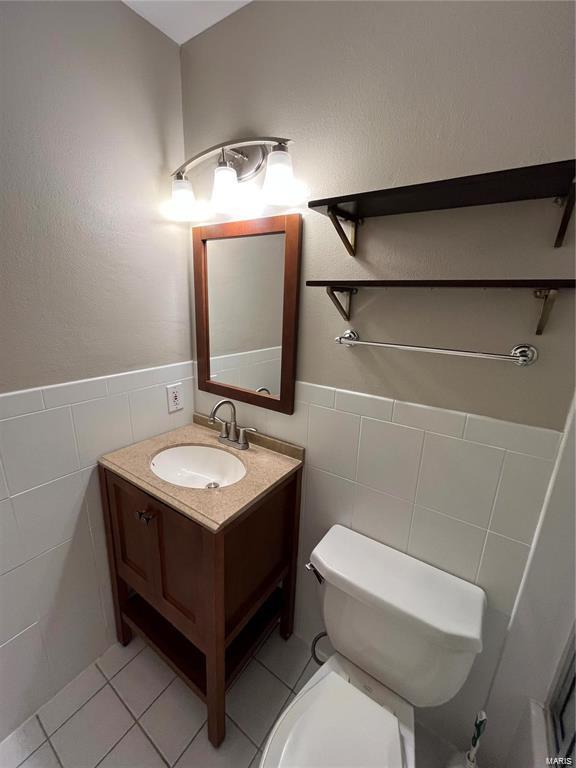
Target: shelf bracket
column 336, row 214
column 548, row 295
column 568, row 208
column 343, row 308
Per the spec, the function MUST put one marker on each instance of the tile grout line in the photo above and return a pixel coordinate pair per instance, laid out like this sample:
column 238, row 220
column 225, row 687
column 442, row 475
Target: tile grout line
column 188, row 743
column 52, row 747
column 489, row 523
column 149, row 738
column 63, row 723
column 417, row 488
column 284, row 683
column 125, row 732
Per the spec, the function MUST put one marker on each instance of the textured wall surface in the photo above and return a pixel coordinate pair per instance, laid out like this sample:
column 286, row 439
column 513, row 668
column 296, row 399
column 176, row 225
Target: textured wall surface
column 92, row 279
column 384, row 94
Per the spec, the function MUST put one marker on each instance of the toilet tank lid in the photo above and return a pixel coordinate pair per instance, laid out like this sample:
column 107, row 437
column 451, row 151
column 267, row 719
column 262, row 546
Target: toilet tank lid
column 441, row 605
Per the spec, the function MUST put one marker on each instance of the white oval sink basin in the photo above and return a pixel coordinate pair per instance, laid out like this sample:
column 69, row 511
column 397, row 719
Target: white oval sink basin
column 197, row 466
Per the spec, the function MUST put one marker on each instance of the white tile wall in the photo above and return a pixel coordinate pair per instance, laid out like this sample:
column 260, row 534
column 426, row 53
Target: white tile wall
column 55, row 602
column 460, row 491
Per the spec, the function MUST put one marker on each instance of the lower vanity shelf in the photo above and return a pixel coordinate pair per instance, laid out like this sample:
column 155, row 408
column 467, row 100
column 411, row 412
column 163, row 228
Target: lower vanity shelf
column 202, row 597
column 183, row 656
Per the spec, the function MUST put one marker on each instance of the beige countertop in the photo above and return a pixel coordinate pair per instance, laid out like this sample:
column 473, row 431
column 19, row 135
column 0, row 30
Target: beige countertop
column 213, row 508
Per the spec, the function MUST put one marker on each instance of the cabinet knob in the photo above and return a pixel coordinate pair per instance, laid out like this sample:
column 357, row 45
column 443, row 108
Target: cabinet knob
column 144, row 516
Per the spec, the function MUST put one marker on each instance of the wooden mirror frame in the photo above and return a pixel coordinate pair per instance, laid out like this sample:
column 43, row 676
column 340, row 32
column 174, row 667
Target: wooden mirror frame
column 291, row 226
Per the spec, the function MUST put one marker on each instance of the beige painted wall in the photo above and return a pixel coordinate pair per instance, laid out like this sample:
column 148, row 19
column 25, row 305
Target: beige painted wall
column 92, row 279
column 380, row 94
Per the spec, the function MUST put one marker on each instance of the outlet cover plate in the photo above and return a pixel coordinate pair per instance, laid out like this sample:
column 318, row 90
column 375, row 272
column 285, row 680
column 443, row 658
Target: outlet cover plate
column 174, row 393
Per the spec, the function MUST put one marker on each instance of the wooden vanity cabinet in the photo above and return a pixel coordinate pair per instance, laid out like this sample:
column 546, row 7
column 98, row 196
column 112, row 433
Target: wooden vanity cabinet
column 203, row 599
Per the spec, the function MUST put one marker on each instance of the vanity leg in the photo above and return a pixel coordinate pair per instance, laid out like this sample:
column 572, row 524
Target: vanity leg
column 216, row 697
column 119, row 587
column 216, row 657
column 289, row 585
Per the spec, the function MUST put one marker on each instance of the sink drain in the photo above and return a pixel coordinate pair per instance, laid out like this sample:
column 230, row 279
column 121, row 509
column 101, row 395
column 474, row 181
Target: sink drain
column 213, row 484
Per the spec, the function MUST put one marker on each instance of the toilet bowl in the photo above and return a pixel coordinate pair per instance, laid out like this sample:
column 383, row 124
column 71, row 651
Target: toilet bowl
column 405, row 634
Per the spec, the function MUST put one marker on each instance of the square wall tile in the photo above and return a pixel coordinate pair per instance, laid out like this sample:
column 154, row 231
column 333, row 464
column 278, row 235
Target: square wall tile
column 149, row 410
column 11, row 549
column 3, row 486
column 333, row 441
column 26, row 679
column 314, row 394
column 101, row 426
column 389, row 457
column 328, row 501
column 446, row 543
column 70, row 698
column 125, row 382
column 18, row 600
column 521, row 438
column 520, row 496
column 142, row 680
column 133, row 751
column 19, row 403
column 501, row 571
column 382, row 517
column 255, row 701
column 174, row 719
column 364, row 405
column 431, row 419
column 92, row 732
column 37, row 448
column 459, row 478
column 21, row 743
column 48, row 515
column 75, row 392
column 290, row 427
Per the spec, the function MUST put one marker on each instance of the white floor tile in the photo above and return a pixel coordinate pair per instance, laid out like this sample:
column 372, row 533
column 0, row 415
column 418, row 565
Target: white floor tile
column 69, row 699
column 256, row 760
column 286, row 658
column 21, row 743
column 45, row 757
column 141, row 681
column 255, row 701
column 174, row 719
column 92, row 732
column 310, row 669
column 236, row 751
column 133, row 751
column 117, row 656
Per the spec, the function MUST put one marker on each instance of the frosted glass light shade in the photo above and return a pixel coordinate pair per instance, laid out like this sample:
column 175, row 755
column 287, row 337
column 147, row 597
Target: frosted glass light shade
column 225, row 189
column 182, row 205
column 280, row 187
column 279, row 178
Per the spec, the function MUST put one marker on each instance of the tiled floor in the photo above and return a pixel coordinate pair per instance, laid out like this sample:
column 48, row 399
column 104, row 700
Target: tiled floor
column 129, row 710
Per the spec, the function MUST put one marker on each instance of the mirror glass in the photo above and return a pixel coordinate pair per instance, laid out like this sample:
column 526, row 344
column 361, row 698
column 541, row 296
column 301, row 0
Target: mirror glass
column 245, row 296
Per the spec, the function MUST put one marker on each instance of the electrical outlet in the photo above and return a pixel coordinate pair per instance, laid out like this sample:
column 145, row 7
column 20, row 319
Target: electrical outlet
column 174, row 392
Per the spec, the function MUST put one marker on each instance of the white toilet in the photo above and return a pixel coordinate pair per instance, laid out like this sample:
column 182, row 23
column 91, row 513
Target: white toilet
column 405, row 634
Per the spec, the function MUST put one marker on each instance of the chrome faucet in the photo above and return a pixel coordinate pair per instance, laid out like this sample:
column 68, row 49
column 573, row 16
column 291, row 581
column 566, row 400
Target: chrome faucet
column 229, row 431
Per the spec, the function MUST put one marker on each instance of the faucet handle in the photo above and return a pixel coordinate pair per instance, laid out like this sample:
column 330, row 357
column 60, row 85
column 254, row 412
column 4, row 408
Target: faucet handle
column 223, row 425
column 243, row 443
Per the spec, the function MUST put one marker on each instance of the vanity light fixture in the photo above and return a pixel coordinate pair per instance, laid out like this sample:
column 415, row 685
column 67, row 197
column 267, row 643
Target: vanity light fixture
column 225, row 188
column 236, row 191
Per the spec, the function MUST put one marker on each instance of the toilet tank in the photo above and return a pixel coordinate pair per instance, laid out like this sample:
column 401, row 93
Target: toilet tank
column 413, row 627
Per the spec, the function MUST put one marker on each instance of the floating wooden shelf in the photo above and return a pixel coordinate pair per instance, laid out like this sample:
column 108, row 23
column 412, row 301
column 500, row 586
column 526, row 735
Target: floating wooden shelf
column 551, row 180
column 544, row 288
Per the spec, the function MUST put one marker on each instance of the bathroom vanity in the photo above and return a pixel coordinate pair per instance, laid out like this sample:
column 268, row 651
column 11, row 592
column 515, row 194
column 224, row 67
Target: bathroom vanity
column 203, row 574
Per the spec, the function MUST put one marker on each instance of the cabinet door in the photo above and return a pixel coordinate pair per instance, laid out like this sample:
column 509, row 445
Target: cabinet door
column 134, row 522
column 184, row 578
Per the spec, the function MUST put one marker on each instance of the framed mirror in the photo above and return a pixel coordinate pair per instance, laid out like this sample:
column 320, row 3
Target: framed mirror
column 246, row 287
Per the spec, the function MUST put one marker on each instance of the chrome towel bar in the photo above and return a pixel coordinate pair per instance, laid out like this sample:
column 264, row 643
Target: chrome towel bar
column 521, row 354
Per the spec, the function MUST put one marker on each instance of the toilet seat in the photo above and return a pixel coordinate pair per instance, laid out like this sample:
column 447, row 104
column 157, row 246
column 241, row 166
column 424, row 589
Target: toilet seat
column 334, row 725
